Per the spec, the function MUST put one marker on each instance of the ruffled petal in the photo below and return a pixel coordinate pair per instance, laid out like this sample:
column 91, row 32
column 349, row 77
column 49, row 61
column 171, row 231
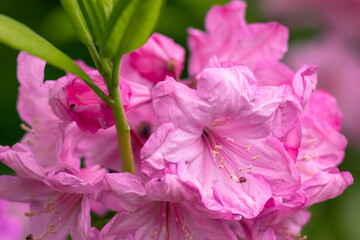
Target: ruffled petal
column 227, row 87
column 121, row 191
column 33, row 92
column 168, row 188
column 163, row 147
column 22, row 160
column 174, row 102
column 322, row 144
column 230, row 39
column 326, row 184
column 65, row 182
column 304, row 82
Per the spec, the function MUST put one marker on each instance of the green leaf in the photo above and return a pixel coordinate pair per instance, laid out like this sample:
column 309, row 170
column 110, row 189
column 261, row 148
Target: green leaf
column 129, row 26
column 95, row 18
column 77, row 20
column 19, row 36
column 106, row 6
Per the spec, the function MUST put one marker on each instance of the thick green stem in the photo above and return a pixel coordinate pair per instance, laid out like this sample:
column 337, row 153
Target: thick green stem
column 122, row 127
column 101, row 64
column 116, row 105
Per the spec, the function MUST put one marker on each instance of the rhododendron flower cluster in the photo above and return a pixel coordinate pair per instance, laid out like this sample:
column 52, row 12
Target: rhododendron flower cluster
column 333, row 46
column 239, row 150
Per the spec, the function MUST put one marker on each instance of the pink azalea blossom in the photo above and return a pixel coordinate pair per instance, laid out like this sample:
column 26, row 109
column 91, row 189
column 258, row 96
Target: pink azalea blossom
column 282, row 219
column 161, row 208
column 59, row 203
column 339, row 75
column 221, row 137
column 230, row 39
column 322, row 150
column 72, row 100
column 101, row 147
column 50, row 139
column 340, row 17
column 158, row 58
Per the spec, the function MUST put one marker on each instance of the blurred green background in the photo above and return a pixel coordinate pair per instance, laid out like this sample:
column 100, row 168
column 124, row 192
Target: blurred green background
column 336, row 219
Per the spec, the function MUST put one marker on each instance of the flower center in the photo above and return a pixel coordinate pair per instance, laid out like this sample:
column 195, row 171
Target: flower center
column 308, row 153
column 61, row 210
column 228, row 155
column 171, row 222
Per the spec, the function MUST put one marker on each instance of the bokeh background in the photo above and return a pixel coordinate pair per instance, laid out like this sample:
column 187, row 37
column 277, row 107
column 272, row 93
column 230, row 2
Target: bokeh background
column 327, row 35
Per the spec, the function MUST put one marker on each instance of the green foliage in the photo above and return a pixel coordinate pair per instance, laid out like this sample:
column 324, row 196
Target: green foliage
column 19, row 36
column 106, row 6
column 95, row 18
column 77, row 20
column 100, row 221
column 130, row 24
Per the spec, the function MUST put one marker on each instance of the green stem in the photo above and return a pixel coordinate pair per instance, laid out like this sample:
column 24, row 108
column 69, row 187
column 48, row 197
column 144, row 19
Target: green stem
column 101, row 64
column 122, row 127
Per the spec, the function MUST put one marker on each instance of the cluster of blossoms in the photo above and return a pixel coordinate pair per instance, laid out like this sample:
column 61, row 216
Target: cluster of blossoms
column 240, row 149
column 334, row 48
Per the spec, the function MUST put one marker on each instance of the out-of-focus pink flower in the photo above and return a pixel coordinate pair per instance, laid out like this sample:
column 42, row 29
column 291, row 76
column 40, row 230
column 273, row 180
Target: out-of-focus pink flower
column 161, row 208
column 158, row 58
column 340, row 17
column 339, row 74
column 13, row 223
column 220, row 135
column 59, row 203
column 230, row 39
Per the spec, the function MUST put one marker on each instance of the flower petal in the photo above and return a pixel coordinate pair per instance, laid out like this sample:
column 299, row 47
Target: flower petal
column 227, row 87
column 326, row 184
column 22, row 160
column 304, row 82
column 163, row 147
column 19, row 189
column 33, row 91
column 230, row 39
column 121, row 191
column 174, row 102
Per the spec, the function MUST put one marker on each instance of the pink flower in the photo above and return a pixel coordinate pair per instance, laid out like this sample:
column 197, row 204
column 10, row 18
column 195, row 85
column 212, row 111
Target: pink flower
column 322, row 150
column 339, row 75
column 230, row 39
column 50, row 139
column 59, row 203
column 339, row 17
column 282, row 219
column 72, row 100
column 221, row 138
column 273, row 225
column 158, row 58
column 161, row 208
